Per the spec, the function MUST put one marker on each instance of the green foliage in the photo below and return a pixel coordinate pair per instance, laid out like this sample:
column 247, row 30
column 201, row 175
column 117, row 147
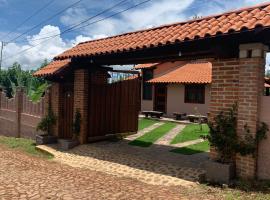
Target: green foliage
column 250, row 143
column 16, row 77
column 223, row 136
column 77, row 123
column 46, row 122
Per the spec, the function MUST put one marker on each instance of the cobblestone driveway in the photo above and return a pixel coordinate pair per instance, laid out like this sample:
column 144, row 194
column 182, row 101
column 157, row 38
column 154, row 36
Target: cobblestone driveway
column 25, row 177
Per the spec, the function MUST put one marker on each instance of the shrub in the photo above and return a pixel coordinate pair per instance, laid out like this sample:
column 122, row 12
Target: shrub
column 46, row 122
column 223, row 136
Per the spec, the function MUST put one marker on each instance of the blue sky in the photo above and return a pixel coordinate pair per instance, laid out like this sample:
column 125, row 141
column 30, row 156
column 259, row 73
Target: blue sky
column 153, row 13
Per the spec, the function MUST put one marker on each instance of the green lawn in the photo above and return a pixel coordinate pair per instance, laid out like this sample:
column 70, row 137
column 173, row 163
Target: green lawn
column 144, row 123
column 193, row 149
column 191, row 132
column 149, row 138
column 24, row 145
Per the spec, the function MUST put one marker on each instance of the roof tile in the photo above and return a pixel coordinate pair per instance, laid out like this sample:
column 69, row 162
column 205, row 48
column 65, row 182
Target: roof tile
column 211, row 26
column 53, row 68
column 234, row 21
column 190, row 73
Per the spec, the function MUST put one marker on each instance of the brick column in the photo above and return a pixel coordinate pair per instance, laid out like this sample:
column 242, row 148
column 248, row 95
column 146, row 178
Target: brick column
column 18, row 107
column 251, row 85
column 224, row 88
column 81, row 87
column 55, row 106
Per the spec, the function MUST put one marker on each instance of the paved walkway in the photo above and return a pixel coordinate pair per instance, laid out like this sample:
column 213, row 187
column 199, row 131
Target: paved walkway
column 24, row 177
column 184, row 144
column 166, row 139
column 149, row 165
column 142, row 132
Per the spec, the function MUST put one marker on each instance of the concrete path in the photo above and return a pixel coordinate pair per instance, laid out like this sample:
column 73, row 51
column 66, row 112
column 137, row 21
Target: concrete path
column 184, row 144
column 166, row 139
column 142, row 132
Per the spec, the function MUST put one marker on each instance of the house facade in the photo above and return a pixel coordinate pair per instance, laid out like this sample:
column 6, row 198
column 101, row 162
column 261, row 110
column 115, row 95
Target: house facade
column 234, row 42
column 182, row 87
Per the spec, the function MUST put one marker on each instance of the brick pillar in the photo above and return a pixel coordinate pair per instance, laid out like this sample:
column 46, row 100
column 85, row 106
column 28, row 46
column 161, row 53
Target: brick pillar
column 81, row 87
column 55, row 106
column 251, row 86
column 18, row 107
column 224, row 88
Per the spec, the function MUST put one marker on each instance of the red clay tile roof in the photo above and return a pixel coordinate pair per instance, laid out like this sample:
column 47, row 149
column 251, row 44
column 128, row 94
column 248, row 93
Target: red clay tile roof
column 146, row 66
column 197, row 72
column 226, row 23
column 53, row 68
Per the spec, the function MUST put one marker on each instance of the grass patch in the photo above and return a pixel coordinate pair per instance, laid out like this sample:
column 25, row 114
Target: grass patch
column 144, row 123
column 24, row 145
column 149, row 138
column 191, row 132
column 193, row 149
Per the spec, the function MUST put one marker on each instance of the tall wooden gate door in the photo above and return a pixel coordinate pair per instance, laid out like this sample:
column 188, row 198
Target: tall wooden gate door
column 67, row 111
column 114, row 108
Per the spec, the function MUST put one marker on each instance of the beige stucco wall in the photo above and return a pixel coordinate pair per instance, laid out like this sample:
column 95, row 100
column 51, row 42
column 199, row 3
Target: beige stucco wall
column 264, row 147
column 175, row 94
column 176, row 101
column 158, row 71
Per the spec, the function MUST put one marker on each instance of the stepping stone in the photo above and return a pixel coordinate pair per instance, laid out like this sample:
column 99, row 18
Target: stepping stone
column 167, row 138
column 145, row 130
column 184, row 144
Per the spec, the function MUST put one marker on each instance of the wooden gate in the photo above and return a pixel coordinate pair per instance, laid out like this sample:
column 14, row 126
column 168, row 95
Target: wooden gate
column 67, row 111
column 114, row 108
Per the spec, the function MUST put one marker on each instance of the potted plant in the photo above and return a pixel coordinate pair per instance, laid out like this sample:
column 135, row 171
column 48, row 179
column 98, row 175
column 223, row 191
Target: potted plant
column 45, row 126
column 66, row 144
column 223, row 138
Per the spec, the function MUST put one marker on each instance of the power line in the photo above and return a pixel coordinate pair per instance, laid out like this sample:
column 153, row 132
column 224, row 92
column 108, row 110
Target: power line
column 44, row 21
column 28, row 18
column 129, row 8
column 82, row 22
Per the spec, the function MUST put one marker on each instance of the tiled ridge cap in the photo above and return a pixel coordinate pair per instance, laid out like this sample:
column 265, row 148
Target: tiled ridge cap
column 237, row 11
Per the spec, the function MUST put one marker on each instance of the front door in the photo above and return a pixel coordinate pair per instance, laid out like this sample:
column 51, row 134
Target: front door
column 67, row 111
column 160, row 98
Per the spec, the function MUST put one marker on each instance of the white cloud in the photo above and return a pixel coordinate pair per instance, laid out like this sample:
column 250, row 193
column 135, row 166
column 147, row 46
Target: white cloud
column 48, row 49
column 149, row 15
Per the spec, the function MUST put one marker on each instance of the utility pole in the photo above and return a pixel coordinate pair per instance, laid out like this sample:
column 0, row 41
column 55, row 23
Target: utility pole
column 1, row 54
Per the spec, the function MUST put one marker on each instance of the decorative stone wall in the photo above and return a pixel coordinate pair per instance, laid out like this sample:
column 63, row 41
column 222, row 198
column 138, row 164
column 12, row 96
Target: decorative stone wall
column 19, row 116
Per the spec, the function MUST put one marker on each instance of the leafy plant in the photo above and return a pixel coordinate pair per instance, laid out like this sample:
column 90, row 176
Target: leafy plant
column 46, row 122
column 77, row 124
column 249, row 144
column 15, row 76
column 223, row 135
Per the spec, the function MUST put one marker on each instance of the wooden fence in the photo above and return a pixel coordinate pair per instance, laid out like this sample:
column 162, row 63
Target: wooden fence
column 114, row 108
column 19, row 116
